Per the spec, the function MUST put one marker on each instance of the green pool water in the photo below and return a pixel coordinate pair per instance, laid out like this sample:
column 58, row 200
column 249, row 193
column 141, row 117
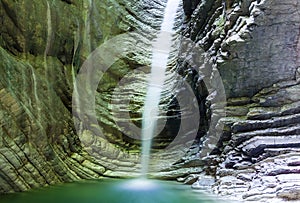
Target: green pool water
column 110, row 191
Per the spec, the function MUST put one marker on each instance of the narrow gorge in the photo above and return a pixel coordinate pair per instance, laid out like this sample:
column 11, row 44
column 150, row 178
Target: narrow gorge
column 75, row 76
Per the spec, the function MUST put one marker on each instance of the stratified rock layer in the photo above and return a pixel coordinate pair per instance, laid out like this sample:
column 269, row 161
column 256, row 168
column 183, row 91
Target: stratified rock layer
column 43, row 45
column 251, row 45
column 260, row 155
column 254, row 45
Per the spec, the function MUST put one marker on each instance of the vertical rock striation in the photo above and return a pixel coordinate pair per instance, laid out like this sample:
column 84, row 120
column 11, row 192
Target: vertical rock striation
column 43, row 45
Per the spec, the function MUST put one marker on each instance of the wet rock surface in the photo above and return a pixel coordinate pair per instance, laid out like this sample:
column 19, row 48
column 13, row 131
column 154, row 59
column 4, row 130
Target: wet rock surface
column 43, row 45
column 261, row 156
column 258, row 150
column 252, row 44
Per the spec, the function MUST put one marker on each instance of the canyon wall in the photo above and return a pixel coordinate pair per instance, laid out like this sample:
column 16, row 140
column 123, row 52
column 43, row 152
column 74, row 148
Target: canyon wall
column 255, row 47
column 244, row 50
column 43, row 46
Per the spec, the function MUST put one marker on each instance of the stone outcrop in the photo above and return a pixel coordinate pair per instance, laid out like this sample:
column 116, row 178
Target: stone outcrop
column 43, row 45
column 255, row 47
column 251, row 45
column 248, row 42
column 260, row 156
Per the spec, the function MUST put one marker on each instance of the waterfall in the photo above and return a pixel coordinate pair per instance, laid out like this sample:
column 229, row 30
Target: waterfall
column 161, row 47
column 88, row 6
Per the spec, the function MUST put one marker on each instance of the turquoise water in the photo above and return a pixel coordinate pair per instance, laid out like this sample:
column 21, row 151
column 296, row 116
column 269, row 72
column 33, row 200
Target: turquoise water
column 109, row 191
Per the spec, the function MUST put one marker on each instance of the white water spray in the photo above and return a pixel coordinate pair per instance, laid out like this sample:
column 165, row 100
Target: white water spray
column 160, row 49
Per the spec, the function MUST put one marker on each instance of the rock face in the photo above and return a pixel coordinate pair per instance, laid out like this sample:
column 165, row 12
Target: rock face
column 261, row 156
column 254, row 45
column 239, row 57
column 249, row 42
column 43, row 45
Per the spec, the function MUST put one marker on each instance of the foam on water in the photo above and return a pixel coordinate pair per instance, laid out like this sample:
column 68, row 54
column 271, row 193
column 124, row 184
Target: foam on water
column 139, row 185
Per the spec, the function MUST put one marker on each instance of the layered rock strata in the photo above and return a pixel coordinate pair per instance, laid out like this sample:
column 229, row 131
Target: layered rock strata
column 255, row 47
column 251, row 45
column 43, row 46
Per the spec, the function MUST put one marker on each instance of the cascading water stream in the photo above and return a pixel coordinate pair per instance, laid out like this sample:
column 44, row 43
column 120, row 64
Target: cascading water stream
column 160, row 53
